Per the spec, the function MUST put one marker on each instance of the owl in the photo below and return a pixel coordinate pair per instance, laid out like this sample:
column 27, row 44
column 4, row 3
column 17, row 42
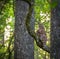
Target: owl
column 42, row 33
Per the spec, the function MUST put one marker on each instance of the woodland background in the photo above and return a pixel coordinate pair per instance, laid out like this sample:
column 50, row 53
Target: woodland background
column 42, row 13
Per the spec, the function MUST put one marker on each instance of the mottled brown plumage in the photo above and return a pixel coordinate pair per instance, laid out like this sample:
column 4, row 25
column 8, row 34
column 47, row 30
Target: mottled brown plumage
column 42, row 33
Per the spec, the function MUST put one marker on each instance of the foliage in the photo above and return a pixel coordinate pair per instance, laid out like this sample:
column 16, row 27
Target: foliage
column 6, row 29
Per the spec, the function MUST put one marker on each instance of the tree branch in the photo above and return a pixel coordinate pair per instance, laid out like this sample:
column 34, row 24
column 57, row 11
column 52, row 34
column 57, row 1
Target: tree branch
column 32, row 32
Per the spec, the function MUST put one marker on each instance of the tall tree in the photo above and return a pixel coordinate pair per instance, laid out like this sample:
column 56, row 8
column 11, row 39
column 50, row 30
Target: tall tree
column 55, row 29
column 23, row 43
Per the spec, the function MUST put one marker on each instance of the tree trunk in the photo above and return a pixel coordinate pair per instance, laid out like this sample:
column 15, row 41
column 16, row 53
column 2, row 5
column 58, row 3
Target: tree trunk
column 55, row 30
column 23, row 43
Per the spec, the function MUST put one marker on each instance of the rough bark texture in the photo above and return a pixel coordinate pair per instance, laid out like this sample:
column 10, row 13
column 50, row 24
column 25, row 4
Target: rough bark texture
column 55, row 31
column 23, row 44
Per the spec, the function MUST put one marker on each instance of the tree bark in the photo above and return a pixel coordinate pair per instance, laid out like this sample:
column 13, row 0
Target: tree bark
column 23, row 43
column 55, row 30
